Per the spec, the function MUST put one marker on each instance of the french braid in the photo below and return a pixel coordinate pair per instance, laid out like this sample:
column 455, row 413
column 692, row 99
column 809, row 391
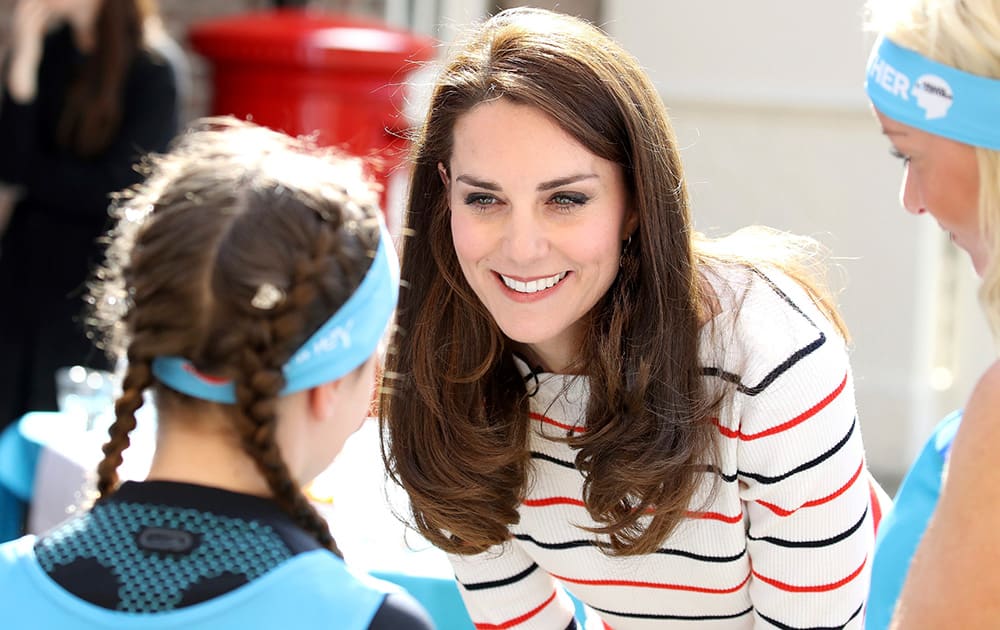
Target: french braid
column 257, row 389
column 138, row 377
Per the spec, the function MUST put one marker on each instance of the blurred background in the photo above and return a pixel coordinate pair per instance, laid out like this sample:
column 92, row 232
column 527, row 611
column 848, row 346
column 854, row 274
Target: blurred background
column 767, row 101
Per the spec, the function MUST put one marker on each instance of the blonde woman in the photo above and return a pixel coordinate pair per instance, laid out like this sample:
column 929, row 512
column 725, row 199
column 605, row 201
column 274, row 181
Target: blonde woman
column 934, row 82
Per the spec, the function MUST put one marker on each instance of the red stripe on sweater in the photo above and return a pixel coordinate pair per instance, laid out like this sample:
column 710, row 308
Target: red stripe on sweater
column 820, row 588
column 657, row 585
column 561, row 425
column 830, row 497
column 549, row 501
column 715, row 516
column 876, row 507
column 784, row 426
column 510, row 623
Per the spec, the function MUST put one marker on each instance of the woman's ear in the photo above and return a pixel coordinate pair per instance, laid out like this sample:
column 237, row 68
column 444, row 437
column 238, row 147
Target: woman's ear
column 443, row 173
column 630, row 225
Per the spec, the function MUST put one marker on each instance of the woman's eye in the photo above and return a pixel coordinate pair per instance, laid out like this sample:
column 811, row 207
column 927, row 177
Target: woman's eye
column 899, row 155
column 568, row 201
column 481, row 201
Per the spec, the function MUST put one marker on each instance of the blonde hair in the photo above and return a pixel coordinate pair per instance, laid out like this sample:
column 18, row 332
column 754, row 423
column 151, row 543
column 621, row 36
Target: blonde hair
column 963, row 34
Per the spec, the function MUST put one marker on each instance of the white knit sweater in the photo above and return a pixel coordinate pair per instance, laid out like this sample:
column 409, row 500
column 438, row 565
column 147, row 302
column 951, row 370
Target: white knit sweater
column 786, row 540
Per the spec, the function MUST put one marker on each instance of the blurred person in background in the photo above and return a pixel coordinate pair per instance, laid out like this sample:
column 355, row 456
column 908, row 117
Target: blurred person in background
column 86, row 91
column 934, row 82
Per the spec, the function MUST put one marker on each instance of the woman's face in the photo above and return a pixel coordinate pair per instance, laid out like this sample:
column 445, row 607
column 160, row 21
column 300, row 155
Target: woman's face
column 941, row 178
column 537, row 222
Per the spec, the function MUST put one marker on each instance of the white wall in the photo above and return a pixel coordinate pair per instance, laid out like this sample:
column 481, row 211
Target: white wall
column 768, row 104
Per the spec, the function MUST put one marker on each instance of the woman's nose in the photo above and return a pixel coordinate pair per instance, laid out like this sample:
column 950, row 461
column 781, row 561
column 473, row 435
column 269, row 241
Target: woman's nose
column 524, row 238
column 909, row 195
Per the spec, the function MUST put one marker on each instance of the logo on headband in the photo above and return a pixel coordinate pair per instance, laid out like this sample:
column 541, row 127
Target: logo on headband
column 934, row 96
column 932, row 93
column 889, row 79
column 337, row 338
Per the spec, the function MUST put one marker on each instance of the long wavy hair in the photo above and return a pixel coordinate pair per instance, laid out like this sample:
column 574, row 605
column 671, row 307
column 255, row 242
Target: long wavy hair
column 454, row 414
column 231, row 207
column 92, row 112
column 963, row 34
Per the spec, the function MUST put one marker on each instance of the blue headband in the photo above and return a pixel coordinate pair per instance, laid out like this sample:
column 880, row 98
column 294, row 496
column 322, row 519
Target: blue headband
column 342, row 344
column 931, row 96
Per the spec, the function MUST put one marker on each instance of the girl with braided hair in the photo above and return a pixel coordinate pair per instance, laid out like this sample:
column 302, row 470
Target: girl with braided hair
column 249, row 281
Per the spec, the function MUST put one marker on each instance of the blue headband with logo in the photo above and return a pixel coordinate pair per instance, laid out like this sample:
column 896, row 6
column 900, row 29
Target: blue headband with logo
column 931, row 96
column 342, row 344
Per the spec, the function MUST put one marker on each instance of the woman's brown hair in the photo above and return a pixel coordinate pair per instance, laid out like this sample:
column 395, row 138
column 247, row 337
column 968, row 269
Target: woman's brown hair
column 455, row 410
column 455, row 420
column 230, row 208
column 92, row 112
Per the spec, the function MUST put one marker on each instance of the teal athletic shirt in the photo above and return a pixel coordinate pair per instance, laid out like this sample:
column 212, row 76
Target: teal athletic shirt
column 903, row 527
column 170, row 555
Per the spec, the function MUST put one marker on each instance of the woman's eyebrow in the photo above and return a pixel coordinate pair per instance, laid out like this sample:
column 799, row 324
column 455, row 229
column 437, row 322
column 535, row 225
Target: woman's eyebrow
column 549, row 185
column 478, row 183
column 565, row 181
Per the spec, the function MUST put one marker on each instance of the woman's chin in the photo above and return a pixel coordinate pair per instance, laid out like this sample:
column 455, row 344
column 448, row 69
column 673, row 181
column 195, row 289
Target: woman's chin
column 980, row 261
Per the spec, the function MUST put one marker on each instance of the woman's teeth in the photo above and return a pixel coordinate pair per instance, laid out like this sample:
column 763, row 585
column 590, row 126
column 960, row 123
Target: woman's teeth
column 535, row 285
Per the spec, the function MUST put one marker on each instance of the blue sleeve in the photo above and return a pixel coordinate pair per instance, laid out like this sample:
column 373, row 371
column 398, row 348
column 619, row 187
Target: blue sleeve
column 903, row 527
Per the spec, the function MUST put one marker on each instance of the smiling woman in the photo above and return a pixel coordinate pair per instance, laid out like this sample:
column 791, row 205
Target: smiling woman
column 537, row 234
column 585, row 395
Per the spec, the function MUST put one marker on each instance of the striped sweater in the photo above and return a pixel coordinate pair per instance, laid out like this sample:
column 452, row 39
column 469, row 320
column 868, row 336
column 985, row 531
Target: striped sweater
column 784, row 542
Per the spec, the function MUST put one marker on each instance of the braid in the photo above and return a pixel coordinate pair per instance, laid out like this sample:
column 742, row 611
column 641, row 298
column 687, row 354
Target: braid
column 138, row 377
column 260, row 382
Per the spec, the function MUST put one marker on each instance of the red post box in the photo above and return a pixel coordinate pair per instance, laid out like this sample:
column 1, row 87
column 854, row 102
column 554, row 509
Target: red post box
column 308, row 72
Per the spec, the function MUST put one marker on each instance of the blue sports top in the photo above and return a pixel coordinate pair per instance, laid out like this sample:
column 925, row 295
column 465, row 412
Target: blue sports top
column 172, row 563
column 903, row 527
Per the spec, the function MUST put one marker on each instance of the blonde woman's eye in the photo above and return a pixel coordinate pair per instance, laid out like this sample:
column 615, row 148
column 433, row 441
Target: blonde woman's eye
column 899, row 155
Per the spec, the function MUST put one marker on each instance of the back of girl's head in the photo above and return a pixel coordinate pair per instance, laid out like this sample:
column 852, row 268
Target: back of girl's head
column 239, row 245
column 963, row 34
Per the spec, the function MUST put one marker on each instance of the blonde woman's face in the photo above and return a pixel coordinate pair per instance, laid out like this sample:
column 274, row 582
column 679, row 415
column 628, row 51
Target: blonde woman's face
column 940, row 178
